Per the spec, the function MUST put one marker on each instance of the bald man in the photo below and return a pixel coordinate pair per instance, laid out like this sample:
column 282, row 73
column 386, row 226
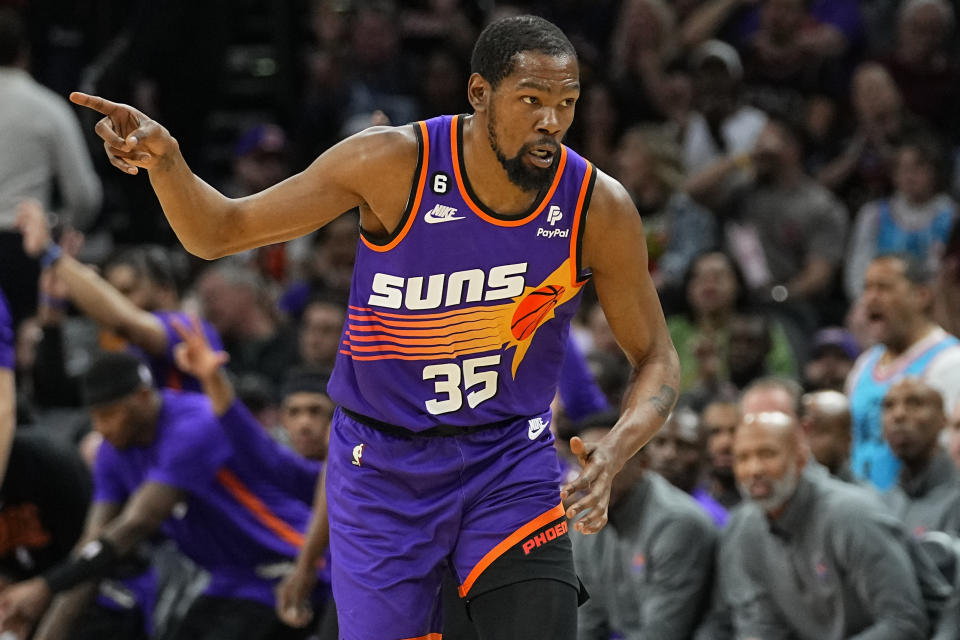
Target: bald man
column 826, row 420
column 678, row 453
column 927, row 493
column 808, row 557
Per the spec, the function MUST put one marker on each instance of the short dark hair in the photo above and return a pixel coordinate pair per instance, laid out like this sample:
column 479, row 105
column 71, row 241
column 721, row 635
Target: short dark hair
column 153, row 262
column 13, row 37
column 915, row 269
column 499, row 43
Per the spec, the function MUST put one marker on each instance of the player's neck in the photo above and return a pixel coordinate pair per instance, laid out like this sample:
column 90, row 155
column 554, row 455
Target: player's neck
column 487, row 176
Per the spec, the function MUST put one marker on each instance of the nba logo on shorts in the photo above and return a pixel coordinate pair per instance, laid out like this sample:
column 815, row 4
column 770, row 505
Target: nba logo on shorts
column 554, row 215
column 358, row 454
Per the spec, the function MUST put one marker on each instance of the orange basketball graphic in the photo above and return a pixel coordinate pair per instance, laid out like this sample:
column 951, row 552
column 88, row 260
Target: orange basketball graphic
column 533, row 309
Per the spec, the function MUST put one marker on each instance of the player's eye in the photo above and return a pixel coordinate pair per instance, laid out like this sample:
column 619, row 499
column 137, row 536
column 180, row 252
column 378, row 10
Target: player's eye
column 529, row 100
column 569, row 102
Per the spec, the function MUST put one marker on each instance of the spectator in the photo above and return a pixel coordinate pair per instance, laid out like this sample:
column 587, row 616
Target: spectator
column 832, row 355
column 788, row 235
column 306, row 411
column 44, row 498
column 922, row 64
column 927, row 494
column 678, row 452
column 809, row 557
column 329, row 267
column 719, row 419
column 782, row 69
column 138, row 300
column 828, row 426
column 678, row 229
column 863, row 170
column 320, row 329
column 259, row 160
column 916, row 219
column 238, row 304
column 715, row 292
column 643, row 42
column 896, row 299
column 42, row 152
column 167, row 462
column 648, row 571
column 720, row 125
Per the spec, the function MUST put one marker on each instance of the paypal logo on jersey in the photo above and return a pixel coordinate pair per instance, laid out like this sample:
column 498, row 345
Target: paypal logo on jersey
column 447, row 290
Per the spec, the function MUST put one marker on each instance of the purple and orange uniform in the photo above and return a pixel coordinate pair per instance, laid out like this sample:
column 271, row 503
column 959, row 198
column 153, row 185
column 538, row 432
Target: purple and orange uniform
column 457, row 327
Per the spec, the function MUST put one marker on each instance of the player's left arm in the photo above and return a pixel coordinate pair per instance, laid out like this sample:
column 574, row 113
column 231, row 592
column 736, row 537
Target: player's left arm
column 615, row 250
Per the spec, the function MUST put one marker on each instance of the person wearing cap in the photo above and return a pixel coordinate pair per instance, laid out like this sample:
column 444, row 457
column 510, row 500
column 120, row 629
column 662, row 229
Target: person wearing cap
column 168, row 464
column 927, row 493
column 832, row 355
column 721, row 126
column 897, row 298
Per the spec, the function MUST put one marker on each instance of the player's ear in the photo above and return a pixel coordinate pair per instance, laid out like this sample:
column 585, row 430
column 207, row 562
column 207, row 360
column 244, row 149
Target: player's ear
column 479, row 92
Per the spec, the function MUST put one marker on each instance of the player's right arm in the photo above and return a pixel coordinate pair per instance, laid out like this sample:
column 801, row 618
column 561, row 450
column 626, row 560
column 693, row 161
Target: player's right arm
column 373, row 168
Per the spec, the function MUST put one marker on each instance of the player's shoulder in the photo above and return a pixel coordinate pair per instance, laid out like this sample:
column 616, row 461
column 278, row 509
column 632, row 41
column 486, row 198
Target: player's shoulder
column 396, row 143
column 610, row 200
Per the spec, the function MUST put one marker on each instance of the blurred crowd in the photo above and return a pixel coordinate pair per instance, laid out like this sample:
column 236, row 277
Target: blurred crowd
column 793, row 163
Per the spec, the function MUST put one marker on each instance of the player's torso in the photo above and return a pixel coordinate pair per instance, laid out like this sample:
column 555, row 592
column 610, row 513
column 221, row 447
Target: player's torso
column 460, row 317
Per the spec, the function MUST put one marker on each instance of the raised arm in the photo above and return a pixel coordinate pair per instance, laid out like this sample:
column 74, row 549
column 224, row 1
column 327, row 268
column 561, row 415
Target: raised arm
column 614, row 248
column 195, row 356
column 94, row 296
column 210, row 225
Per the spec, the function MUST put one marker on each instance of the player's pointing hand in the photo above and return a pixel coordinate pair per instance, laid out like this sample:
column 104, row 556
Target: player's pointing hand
column 593, row 483
column 131, row 139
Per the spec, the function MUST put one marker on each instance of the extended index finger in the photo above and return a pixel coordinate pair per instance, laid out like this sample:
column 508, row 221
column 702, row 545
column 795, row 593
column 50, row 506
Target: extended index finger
column 104, row 106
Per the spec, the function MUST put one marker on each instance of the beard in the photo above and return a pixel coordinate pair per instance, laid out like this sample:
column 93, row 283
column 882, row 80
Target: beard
column 781, row 490
column 520, row 173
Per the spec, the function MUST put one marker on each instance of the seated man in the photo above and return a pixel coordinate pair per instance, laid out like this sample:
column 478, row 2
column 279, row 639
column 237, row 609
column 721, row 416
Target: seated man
column 719, row 419
column 678, row 452
column 168, row 464
column 649, row 570
column 825, row 418
column 808, row 557
column 927, row 494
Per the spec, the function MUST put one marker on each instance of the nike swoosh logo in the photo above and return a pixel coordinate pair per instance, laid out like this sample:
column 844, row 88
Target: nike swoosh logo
column 533, row 432
column 429, row 217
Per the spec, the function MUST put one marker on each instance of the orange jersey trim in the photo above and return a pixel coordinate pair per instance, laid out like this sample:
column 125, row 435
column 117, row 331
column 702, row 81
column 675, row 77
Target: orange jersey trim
column 426, row 356
column 416, row 201
column 575, row 231
column 540, row 521
column 455, row 155
column 442, row 331
column 419, row 316
column 429, row 636
column 260, row 511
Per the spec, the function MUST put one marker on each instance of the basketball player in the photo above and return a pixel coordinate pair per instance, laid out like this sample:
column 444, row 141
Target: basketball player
column 477, row 235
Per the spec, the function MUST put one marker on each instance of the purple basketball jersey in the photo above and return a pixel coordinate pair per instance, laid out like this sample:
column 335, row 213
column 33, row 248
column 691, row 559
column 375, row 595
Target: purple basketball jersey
column 461, row 316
